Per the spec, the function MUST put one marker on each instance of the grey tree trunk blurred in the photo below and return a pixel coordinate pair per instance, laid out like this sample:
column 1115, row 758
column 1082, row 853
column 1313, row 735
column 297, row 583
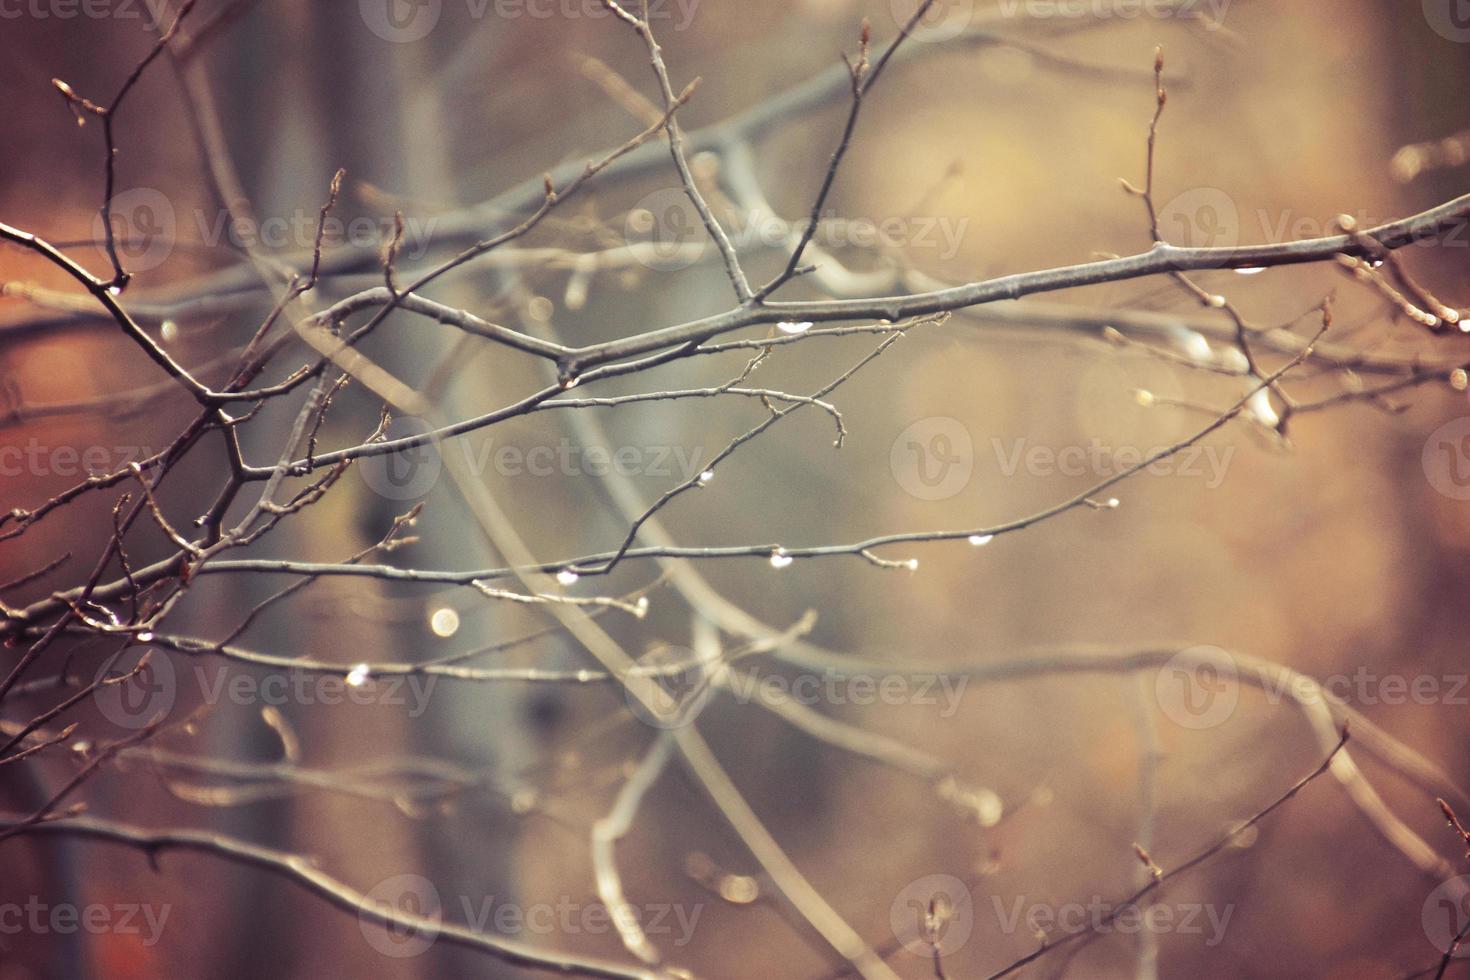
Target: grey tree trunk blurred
column 301, row 99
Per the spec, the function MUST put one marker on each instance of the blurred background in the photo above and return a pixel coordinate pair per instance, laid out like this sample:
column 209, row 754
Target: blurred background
column 1333, row 551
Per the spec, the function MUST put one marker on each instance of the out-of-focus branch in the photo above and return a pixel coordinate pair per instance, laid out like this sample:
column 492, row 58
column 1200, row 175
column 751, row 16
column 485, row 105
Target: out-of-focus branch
column 305, row 873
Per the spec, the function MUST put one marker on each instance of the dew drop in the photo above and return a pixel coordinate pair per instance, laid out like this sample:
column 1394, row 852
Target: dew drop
column 145, row 637
column 912, row 564
column 1262, row 410
column 1144, row 397
column 1245, row 838
column 114, row 290
column 980, row 540
column 1112, row 503
column 988, row 807
column 444, row 622
column 739, row 889
column 1459, row 380
column 357, row 676
column 794, row 326
column 169, row 331
column 567, row 577
column 1197, row 348
column 1254, row 270
column 780, row 559
column 1232, row 358
column 641, row 606
column 705, row 477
